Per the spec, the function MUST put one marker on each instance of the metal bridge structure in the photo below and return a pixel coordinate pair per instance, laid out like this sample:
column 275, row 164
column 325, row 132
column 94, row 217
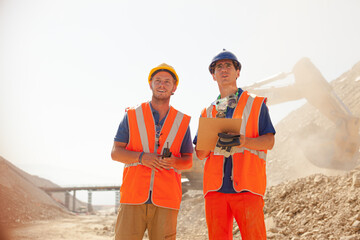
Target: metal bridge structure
column 90, row 189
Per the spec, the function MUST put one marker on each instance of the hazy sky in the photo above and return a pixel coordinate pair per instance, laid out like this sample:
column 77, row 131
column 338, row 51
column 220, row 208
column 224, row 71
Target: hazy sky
column 68, row 69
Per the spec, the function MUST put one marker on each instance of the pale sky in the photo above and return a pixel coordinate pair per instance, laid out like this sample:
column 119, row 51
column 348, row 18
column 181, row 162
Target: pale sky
column 68, row 69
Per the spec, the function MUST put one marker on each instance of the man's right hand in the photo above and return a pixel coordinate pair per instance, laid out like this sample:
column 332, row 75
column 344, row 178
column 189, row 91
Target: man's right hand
column 152, row 160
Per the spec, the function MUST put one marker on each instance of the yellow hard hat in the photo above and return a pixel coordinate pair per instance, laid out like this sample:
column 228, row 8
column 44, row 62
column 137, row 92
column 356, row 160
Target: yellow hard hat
column 167, row 68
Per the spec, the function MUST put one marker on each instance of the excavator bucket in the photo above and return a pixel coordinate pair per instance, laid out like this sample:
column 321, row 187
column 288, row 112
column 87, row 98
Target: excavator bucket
column 336, row 147
column 324, row 148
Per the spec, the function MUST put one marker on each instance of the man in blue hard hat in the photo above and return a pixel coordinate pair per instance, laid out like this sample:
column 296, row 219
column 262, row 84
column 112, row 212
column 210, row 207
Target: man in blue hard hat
column 235, row 171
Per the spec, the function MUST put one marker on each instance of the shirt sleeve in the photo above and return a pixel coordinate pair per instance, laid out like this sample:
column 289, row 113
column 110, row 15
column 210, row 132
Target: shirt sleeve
column 195, row 139
column 186, row 146
column 122, row 134
column 265, row 124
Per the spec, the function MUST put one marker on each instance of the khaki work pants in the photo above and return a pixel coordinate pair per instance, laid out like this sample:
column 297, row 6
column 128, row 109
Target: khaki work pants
column 133, row 220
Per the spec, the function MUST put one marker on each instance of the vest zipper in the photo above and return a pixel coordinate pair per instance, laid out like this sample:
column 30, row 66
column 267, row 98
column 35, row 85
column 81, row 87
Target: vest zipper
column 232, row 172
column 152, row 181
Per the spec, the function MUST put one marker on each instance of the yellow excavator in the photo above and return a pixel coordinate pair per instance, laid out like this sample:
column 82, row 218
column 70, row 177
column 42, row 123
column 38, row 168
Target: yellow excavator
column 332, row 148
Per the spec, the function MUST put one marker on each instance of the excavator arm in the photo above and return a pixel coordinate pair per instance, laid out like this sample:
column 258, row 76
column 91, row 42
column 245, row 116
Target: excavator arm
column 337, row 148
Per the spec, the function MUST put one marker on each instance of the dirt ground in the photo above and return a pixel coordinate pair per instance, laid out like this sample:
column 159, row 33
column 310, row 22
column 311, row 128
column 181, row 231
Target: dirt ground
column 89, row 227
column 100, row 226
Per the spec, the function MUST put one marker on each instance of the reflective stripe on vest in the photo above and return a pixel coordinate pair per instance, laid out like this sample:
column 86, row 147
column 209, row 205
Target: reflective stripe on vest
column 249, row 172
column 139, row 180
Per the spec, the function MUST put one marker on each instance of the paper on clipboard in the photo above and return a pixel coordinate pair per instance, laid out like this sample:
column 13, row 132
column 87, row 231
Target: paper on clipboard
column 209, row 129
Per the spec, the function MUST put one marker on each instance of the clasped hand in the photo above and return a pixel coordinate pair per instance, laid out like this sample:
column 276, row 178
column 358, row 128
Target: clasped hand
column 157, row 162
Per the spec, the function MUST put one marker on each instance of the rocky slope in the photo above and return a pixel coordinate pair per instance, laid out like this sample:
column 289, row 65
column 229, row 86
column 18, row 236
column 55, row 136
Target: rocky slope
column 22, row 200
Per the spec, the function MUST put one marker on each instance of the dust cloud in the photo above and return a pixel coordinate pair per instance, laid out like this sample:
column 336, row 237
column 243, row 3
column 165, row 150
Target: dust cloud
column 312, row 140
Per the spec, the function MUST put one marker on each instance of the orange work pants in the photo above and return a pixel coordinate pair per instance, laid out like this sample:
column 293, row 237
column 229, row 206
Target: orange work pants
column 247, row 208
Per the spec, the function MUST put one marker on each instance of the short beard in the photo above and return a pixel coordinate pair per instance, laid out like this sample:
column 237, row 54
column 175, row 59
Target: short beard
column 160, row 99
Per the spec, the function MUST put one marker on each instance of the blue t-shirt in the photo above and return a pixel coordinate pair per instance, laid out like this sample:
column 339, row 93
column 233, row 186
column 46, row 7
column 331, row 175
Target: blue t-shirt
column 265, row 126
column 122, row 134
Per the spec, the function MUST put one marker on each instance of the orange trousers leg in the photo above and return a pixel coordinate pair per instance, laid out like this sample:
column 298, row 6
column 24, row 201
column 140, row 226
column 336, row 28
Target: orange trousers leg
column 247, row 208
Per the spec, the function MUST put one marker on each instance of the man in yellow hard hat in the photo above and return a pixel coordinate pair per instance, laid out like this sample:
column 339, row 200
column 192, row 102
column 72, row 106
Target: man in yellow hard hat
column 154, row 142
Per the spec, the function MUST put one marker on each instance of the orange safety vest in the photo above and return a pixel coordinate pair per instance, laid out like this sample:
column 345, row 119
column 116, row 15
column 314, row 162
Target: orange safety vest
column 249, row 166
column 139, row 180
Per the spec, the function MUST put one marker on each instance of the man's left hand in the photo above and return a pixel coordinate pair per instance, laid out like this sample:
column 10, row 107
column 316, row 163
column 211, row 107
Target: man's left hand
column 167, row 163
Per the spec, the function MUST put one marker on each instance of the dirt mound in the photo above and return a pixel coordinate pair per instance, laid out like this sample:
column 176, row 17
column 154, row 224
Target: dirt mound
column 21, row 200
column 315, row 207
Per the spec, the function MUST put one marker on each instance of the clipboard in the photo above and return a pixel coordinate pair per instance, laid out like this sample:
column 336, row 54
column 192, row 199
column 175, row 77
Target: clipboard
column 209, row 129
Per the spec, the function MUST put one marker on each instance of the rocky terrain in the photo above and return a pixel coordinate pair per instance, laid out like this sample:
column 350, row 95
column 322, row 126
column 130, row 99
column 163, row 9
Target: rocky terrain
column 316, row 207
column 302, row 201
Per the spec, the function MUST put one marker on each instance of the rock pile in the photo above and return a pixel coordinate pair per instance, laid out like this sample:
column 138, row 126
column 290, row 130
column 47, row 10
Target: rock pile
column 315, row 207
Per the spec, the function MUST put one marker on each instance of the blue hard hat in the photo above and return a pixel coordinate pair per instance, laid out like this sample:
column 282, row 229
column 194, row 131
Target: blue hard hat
column 224, row 55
